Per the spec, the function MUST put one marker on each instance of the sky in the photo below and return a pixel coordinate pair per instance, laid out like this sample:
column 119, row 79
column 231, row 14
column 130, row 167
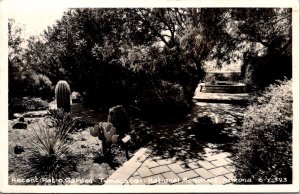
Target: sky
column 34, row 19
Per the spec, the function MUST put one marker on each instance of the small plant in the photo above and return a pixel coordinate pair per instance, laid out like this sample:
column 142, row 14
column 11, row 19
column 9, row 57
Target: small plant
column 62, row 121
column 50, row 156
column 62, row 95
column 110, row 132
column 107, row 133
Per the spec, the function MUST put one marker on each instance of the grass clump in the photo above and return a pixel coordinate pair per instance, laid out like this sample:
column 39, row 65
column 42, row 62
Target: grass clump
column 50, row 154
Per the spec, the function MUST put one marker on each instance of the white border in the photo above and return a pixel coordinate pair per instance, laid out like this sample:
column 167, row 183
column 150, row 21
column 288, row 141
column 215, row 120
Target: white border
column 4, row 5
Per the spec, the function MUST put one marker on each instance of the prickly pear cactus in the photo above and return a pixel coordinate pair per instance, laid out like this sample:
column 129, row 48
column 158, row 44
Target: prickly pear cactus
column 107, row 133
column 117, row 115
column 62, row 95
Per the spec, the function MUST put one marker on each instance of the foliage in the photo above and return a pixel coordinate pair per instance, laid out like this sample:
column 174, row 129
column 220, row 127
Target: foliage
column 50, row 155
column 259, row 38
column 264, row 70
column 265, row 148
column 19, row 105
column 23, row 80
column 28, row 83
column 166, row 101
column 62, row 121
column 111, row 56
column 14, row 41
column 268, row 49
column 124, row 49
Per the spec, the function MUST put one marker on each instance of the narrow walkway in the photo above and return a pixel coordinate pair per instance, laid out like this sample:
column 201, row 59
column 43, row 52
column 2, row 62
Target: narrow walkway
column 213, row 166
column 145, row 169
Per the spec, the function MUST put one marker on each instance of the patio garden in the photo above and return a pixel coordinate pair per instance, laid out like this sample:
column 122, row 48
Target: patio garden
column 100, row 84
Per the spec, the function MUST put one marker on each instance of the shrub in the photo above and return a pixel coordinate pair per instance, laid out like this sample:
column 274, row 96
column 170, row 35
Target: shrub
column 50, row 156
column 165, row 101
column 259, row 72
column 22, row 104
column 40, row 86
column 265, row 147
column 30, row 83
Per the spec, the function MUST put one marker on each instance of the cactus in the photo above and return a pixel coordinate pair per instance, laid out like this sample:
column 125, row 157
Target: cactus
column 109, row 132
column 94, row 131
column 106, row 132
column 62, row 95
column 118, row 117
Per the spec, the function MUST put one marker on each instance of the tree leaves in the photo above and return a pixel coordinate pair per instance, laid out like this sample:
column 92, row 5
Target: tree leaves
column 98, row 49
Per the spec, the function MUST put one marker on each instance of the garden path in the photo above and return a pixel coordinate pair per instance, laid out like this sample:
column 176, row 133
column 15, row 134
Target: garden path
column 146, row 169
column 210, row 162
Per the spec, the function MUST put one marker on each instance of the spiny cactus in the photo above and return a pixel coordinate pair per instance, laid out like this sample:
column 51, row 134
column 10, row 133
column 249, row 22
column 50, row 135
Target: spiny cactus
column 112, row 131
column 107, row 133
column 117, row 115
column 62, row 95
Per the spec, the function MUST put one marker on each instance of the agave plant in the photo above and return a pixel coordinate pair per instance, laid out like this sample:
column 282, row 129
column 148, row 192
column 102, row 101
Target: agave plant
column 62, row 121
column 50, row 156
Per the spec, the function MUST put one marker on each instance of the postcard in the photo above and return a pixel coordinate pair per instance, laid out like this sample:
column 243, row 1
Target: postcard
column 138, row 96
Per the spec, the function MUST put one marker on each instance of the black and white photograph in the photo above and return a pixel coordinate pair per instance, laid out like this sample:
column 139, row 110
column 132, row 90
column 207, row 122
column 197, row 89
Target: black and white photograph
column 150, row 98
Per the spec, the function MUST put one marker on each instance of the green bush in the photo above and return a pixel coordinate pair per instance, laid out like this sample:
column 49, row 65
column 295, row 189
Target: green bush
column 259, row 72
column 265, row 147
column 22, row 104
column 40, row 86
column 165, row 101
column 29, row 83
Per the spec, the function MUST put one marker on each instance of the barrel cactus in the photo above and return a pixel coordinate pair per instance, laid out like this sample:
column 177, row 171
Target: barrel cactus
column 117, row 115
column 62, row 95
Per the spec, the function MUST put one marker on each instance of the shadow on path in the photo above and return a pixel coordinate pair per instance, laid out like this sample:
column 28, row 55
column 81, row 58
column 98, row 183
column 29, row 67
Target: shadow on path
column 178, row 140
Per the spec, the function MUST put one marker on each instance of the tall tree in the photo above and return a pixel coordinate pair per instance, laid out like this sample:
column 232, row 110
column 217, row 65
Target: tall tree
column 102, row 42
column 23, row 80
column 132, row 50
column 260, row 37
